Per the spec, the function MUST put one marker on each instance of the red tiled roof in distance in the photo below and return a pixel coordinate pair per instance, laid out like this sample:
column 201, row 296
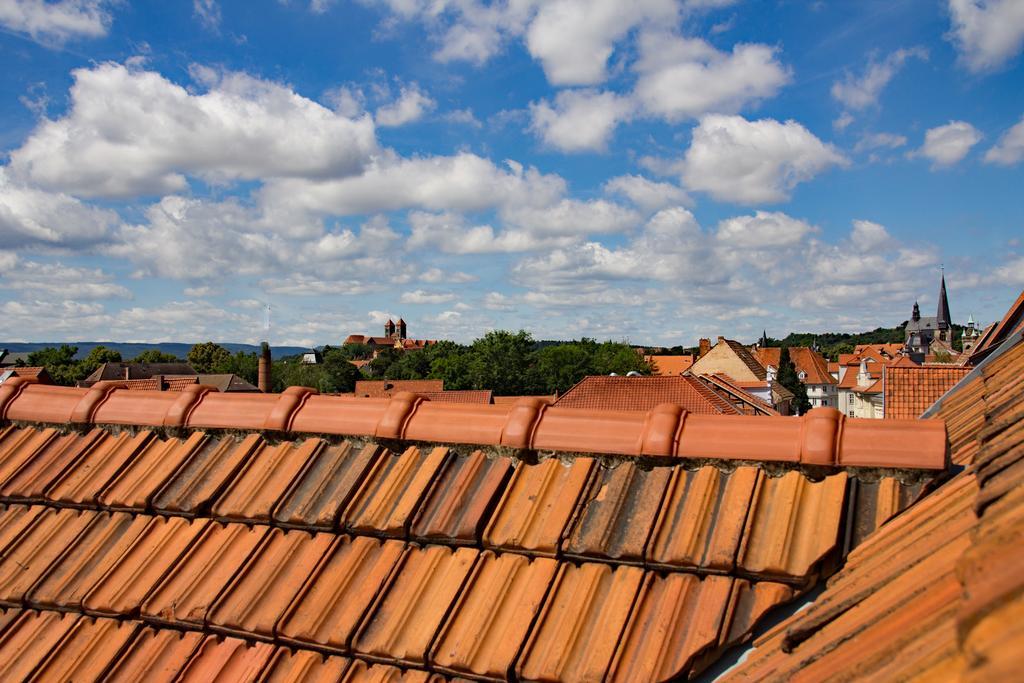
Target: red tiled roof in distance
column 457, row 396
column 669, row 365
column 381, row 388
column 601, row 392
column 821, row 437
column 909, row 391
column 39, row 374
column 1012, row 321
column 508, row 400
column 725, row 383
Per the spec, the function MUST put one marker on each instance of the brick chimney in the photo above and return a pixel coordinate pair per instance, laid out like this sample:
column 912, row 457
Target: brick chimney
column 264, row 378
column 705, row 346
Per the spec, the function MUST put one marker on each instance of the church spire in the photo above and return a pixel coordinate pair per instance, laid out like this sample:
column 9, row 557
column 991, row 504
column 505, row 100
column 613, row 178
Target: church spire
column 942, row 320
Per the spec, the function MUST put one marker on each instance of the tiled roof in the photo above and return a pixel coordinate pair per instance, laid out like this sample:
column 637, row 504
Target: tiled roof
column 199, row 535
column 875, row 387
column 554, row 569
column 382, row 388
column 506, row 400
column 1011, row 323
column 457, row 396
column 723, row 384
column 603, row 392
column 820, row 437
column 937, row 593
column 129, row 371
column 909, row 391
column 669, row 365
column 806, row 360
column 747, row 357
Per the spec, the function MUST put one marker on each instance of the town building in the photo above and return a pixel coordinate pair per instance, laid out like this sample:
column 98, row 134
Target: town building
column 811, row 369
column 37, row 374
column 734, row 360
column 613, row 392
column 931, row 337
column 165, row 377
column 395, row 337
column 669, row 365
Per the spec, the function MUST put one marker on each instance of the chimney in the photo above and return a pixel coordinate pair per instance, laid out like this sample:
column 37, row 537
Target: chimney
column 705, row 346
column 264, row 379
column 127, row 372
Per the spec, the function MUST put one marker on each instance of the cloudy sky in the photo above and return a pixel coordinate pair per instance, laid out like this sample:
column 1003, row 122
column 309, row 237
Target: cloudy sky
column 654, row 170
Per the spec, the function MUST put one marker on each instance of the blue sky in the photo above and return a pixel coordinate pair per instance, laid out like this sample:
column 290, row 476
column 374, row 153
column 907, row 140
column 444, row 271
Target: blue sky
column 658, row 170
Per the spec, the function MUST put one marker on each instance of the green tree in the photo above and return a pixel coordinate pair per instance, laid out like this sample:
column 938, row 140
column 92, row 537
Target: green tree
column 356, row 351
column 208, row 357
column 450, row 362
column 59, row 362
column 620, row 358
column 788, row 377
column 245, row 365
column 155, row 356
column 502, row 361
column 560, row 367
column 340, row 375
column 385, row 359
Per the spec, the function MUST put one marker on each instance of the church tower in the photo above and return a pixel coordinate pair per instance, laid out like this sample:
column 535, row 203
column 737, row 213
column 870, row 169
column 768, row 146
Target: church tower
column 943, row 323
column 389, row 328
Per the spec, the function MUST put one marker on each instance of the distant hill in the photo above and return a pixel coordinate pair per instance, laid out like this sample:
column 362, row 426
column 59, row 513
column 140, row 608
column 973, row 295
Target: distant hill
column 129, row 351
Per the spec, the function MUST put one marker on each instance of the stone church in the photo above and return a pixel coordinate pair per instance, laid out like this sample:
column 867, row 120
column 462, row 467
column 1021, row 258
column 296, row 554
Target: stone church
column 930, row 335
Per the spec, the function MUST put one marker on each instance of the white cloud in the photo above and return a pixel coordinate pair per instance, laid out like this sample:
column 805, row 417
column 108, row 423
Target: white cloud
column 464, row 117
column 857, row 93
column 463, row 182
column 208, row 13
column 763, row 229
column 734, row 159
column 948, row 144
column 581, row 120
column 682, row 78
column 436, row 275
column 56, row 22
column 647, row 194
column 496, row 301
column 1012, row 272
column 420, row 296
column 130, row 132
column 573, row 39
column 869, row 236
column 1010, row 148
column 29, row 216
column 451, row 234
column 571, row 217
column 57, row 280
column 871, row 141
column 412, row 104
column 988, row 33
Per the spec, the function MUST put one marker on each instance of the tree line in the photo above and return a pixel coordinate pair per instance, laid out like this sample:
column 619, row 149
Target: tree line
column 508, row 363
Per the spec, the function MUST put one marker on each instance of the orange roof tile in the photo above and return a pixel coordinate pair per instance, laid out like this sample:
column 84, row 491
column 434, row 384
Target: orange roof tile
column 937, row 592
column 382, row 388
column 1010, row 324
column 669, row 365
column 603, row 392
column 911, row 390
column 724, row 384
column 251, row 537
column 508, row 400
column 458, row 396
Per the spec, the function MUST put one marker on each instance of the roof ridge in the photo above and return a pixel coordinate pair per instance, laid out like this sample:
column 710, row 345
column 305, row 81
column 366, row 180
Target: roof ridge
column 822, row 437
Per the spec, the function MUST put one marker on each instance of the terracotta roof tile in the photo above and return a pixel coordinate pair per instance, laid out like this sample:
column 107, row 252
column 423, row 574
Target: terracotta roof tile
column 28, row 641
column 263, row 480
column 389, row 496
column 909, row 391
column 629, row 567
column 304, row 666
column 187, row 593
column 662, row 430
column 596, row 600
column 156, row 656
column 88, row 649
column 151, row 555
column 618, row 513
column 268, row 581
column 428, row 578
column 88, row 559
column 537, row 506
column 42, row 542
column 490, row 621
column 643, row 393
column 460, row 396
column 669, row 365
column 680, row 617
column 461, row 499
column 508, row 400
column 382, row 388
column 340, row 591
column 323, row 489
column 228, row 660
